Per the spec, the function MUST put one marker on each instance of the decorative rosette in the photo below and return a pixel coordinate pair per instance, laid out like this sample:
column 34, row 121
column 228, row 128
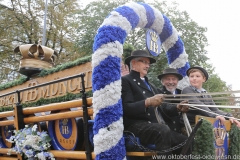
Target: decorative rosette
column 106, row 78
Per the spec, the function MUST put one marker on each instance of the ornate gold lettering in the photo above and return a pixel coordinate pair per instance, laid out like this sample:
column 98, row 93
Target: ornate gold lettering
column 34, row 94
column 54, row 86
column 70, row 84
column 62, row 87
column 16, row 99
column 10, row 100
column 54, row 90
column 6, row 100
column 80, row 83
column 45, row 91
column 31, row 94
column 2, row 102
column 13, row 99
column 27, row 97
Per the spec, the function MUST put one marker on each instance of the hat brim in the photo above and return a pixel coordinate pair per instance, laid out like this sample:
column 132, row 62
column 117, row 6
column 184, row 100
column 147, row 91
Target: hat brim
column 199, row 68
column 128, row 59
column 180, row 77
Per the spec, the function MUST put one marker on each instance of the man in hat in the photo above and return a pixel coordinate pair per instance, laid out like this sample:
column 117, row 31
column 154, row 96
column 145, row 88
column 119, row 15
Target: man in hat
column 169, row 79
column 141, row 101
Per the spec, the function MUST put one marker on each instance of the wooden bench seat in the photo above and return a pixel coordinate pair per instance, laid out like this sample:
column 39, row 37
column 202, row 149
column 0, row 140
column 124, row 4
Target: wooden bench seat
column 140, row 154
column 9, row 158
column 82, row 154
column 70, row 154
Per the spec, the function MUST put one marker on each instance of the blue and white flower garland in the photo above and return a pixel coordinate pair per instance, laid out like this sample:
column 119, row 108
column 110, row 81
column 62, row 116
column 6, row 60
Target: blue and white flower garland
column 106, row 78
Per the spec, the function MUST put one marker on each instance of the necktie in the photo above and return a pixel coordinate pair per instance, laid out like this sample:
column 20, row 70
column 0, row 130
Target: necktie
column 157, row 113
column 203, row 93
column 146, row 84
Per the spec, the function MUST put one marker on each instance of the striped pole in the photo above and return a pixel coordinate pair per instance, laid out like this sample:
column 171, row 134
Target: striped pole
column 106, row 78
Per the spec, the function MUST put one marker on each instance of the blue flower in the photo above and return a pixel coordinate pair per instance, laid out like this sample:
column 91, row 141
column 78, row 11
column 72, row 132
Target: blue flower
column 28, row 147
column 29, row 153
column 31, row 143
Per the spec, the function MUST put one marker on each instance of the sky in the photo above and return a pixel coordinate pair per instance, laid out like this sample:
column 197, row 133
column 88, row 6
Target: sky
column 222, row 20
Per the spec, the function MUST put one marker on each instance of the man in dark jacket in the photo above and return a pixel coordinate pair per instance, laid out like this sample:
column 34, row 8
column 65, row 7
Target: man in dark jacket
column 140, row 102
column 169, row 79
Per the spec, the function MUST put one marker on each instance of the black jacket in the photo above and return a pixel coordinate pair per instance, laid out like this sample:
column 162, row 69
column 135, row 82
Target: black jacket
column 174, row 122
column 134, row 93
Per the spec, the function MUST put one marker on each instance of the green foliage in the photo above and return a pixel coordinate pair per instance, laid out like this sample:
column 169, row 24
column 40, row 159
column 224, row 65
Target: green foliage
column 234, row 136
column 82, row 25
column 191, row 34
column 91, row 17
column 214, row 83
column 203, row 142
column 127, row 50
column 19, row 81
column 67, row 65
column 22, row 23
column 7, row 108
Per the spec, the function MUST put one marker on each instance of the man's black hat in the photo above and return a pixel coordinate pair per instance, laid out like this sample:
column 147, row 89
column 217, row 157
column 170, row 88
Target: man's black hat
column 139, row 53
column 170, row 71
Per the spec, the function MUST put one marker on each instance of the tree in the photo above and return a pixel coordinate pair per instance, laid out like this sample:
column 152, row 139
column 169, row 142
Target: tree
column 71, row 31
column 190, row 32
column 91, row 18
column 22, row 23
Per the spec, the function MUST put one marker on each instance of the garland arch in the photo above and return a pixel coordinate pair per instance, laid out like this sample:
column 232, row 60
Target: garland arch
column 106, row 76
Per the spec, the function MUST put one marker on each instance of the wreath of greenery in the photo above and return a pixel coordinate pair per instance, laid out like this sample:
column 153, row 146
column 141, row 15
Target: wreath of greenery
column 234, row 147
column 203, row 142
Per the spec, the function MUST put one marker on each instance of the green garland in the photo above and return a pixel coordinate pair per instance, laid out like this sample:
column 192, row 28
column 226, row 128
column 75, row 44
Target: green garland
column 203, row 142
column 46, row 72
column 234, row 147
column 42, row 101
column 64, row 66
column 19, row 81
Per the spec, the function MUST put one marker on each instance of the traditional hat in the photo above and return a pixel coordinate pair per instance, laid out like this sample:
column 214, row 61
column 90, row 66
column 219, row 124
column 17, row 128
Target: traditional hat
column 171, row 71
column 199, row 68
column 139, row 53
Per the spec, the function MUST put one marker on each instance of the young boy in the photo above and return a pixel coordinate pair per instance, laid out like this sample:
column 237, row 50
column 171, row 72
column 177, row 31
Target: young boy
column 197, row 76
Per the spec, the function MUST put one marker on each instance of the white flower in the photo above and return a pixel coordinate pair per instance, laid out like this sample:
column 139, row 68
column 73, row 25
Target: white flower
column 31, row 143
column 34, row 128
